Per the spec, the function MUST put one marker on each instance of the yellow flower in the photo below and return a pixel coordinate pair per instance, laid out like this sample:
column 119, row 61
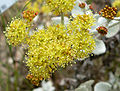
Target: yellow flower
column 29, row 15
column 118, row 14
column 82, row 22
column 35, row 6
column 60, row 6
column 17, row 31
column 57, row 46
column 45, row 9
column 116, row 4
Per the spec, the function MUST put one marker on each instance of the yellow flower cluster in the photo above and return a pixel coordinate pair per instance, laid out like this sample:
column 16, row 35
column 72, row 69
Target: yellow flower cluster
column 82, row 40
column 58, row 46
column 35, row 5
column 60, row 6
column 82, row 22
column 17, row 31
column 45, row 9
column 118, row 14
column 116, row 4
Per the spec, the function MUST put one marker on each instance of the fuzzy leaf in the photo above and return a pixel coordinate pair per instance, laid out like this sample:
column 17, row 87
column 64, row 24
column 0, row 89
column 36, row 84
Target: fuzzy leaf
column 102, row 86
column 102, row 21
column 113, row 30
column 100, row 47
column 85, row 86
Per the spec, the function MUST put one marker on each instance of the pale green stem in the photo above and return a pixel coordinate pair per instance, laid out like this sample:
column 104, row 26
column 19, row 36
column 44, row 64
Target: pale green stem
column 8, row 79
column 84, row 11
column 62, row 18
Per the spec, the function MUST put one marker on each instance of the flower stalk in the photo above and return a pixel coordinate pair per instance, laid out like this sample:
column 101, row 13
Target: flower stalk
column 62, row 18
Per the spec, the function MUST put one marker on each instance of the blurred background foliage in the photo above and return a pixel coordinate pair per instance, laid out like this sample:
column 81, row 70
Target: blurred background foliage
column 13, row 70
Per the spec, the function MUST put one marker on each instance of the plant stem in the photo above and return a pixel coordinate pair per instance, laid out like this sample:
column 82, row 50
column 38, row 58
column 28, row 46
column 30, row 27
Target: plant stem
column 16, row 78
column 15, row 68
column 8, row 78
column 62, row 18
column 23, row 8
column 14, row 62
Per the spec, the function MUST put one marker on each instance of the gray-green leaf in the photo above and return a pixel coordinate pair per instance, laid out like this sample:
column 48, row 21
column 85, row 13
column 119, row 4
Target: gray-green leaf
column 102, row 86
column 85, row 86
column 100, row 47
column 113, row 28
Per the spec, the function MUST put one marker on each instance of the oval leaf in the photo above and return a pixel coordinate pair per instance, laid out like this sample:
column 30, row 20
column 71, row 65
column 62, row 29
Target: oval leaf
column 102, row 86
column 85, row 86
column 113, row 28
column 100, row 47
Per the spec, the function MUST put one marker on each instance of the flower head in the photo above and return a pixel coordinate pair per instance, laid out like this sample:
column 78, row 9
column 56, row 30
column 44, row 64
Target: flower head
column 82, row 5
column 56, row 47
column 102, row 30
column 35, row 6
column 81, row 8
column 90, row 7
column 118, row 14
column 83, row 22
column 60, row 6
column 116, row 4
column 108, row 12
column 17, row 31
column 34, row 80
column 29, row 15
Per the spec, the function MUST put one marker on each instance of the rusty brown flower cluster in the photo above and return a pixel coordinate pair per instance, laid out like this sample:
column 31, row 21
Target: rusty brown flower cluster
column 29, row 15
column 82, row 5
column 34, row 80
column 108, row 12
column 102, row 30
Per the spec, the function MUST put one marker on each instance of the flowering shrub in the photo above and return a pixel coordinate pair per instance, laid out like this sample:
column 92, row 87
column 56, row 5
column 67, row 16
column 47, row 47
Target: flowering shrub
column 61, row 44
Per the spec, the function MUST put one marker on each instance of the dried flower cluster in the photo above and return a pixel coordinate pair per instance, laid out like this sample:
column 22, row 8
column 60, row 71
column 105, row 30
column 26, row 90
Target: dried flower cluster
column 29, row 15
column 102, row 30
column 82, row 5
column 108, row 12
